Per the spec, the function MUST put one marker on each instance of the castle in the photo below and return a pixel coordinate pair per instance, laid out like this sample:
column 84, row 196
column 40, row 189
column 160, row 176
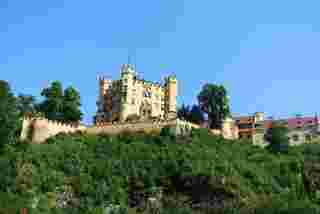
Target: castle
column 154, row 105
column 132, row 96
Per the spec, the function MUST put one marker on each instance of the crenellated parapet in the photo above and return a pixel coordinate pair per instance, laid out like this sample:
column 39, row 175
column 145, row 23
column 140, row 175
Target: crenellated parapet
column 42, row 128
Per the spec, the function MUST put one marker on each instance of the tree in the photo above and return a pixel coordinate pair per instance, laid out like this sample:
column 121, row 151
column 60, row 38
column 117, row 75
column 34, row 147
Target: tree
column 61, row 105
column 26, row 105
column 277, row 136
column 196, row 115
column 71, row 105
column 183, row 112
column 213, row 100
column 52, row 106
column 9, row 114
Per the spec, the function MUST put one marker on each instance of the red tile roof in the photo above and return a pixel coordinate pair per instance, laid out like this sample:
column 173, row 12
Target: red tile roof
column 295, row 122
column 301, row 122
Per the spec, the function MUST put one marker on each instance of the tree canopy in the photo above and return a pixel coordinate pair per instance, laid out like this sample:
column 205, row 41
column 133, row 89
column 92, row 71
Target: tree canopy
column 71, row 104
column 192, row 114
column 9, row 114
column 183, row 112
column 277, row 136
column 61, row 105
column 26, row 105
column 213, row 100
column 196, row 115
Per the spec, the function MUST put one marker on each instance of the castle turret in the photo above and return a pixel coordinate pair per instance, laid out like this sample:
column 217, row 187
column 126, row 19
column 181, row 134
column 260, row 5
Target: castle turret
column 102, row 103
column 127, row 76
column 171, row 86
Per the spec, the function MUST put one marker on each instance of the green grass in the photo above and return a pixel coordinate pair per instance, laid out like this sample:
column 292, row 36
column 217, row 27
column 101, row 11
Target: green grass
column 230, row 176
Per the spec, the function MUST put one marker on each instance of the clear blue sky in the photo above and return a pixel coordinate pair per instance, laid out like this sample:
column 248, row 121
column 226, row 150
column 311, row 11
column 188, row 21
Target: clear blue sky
column 266, row 53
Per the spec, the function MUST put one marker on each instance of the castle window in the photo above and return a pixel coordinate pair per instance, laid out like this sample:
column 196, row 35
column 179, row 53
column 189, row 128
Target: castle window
column 295, row 137
column 133, row 101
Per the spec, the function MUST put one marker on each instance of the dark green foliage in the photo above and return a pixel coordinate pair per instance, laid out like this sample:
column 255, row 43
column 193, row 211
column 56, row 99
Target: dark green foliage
column 61, row 105
column 193, row 114
column 165, row 131
column 196, row 115
column 213, row 100
column 52, row 106
column 183, row 112
column 9, row 114
column 278, row 139
column 209, row 175
column 27, row 105
column 71, row 105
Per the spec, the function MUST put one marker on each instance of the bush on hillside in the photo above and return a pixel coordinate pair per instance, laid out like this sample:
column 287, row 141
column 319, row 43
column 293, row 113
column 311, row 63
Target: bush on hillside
column 213, row 175
column 277, row 138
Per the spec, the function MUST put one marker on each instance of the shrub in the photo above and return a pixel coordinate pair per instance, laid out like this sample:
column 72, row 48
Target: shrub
column 166, row 131
column 278, row 139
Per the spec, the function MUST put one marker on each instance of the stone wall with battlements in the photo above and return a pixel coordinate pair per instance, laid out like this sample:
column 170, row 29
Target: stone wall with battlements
column 44, row 129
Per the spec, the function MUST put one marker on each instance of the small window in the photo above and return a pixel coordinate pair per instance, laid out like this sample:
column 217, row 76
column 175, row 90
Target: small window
column 133, row 101
column 295, row 137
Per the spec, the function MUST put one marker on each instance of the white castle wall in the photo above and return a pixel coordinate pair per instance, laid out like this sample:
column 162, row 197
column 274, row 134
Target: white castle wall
column 44, row 128
column 120, row 127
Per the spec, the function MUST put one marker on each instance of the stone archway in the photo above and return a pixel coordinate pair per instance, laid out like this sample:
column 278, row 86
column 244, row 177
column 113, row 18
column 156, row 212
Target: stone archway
column 145, row 111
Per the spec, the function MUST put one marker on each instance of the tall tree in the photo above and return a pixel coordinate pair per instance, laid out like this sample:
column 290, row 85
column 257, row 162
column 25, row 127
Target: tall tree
column 9, row 114
column 52, row 106
column 183, row 112
column 71, row 105
column 196, row 115
column 26, row 105
column 213, row 100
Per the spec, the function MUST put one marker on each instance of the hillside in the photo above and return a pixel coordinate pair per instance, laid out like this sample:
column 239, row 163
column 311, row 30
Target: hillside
column 197, row 174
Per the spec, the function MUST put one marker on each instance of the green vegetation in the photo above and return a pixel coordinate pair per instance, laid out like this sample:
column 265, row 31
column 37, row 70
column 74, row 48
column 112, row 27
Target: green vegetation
column 27, row 105
column 213, row 100
column 196, row 174
column 61, row 105
column 278, row 138
column 192, row 114
column 9, row 114
column 150, row 173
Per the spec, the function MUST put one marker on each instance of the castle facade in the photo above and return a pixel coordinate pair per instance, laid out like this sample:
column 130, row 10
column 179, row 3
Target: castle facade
column 131, row 96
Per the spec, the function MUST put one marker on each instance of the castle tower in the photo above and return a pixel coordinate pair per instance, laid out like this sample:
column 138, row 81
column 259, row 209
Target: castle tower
column 171, row 97
column 102, row 103
column 127, row 77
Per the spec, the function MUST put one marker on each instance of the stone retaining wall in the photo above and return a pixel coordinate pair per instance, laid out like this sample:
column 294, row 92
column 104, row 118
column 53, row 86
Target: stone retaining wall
column 44, row 128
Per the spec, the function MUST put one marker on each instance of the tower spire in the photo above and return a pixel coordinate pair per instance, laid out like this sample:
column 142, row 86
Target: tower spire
column 128, row 56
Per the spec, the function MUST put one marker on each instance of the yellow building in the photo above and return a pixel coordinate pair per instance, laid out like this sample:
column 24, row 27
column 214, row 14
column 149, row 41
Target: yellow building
column 130, row 95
